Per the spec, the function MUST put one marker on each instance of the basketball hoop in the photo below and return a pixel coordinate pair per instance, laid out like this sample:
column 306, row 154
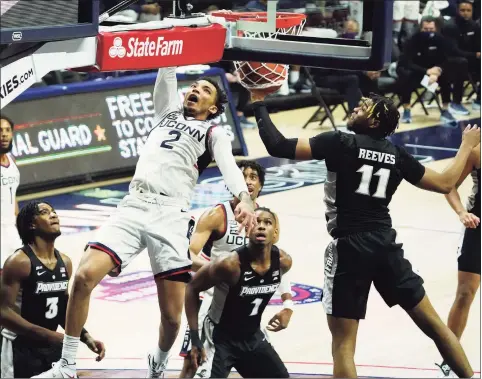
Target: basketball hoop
column 257, row 75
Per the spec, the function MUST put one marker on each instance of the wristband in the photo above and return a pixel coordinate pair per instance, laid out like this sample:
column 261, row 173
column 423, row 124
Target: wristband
column 288, row 304
column 195, row 340
column 82, row 335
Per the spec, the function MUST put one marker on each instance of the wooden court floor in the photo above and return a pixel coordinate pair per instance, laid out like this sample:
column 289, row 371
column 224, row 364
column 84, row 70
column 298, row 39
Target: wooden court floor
column 389, row 344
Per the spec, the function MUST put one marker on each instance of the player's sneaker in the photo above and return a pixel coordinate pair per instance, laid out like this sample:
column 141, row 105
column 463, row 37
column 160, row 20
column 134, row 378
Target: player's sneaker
column 155, row 369
column 446, row 371
column 60, row 369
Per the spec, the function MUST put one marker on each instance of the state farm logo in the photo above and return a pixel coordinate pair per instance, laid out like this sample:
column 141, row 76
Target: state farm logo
column 145, row 47
column 117, row 50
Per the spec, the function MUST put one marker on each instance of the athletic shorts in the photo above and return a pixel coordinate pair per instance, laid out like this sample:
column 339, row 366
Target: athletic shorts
column 469, row 251
column 406, row 10
column 21, row 360
column 9, row 242
column 353, row 262
column 252, row 356
column 206, row 299
column 160, row 224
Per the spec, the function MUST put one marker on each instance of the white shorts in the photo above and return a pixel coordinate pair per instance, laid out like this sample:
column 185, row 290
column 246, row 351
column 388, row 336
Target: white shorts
column 406, row 10
column 9, row 242
column 160, row 224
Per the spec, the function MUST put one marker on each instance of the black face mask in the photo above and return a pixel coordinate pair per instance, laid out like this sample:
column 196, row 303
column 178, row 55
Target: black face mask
column 461, row 21
column 426, row 35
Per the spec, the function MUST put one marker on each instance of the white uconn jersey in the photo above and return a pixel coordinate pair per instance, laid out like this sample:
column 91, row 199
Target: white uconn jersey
column 230, row 240
column 177, row 150
column 10, row 179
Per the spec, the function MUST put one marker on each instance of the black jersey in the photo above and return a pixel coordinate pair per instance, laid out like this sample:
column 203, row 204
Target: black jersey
column 363, row 174
column 474, row 198
column 237, row 310
column 43, row 295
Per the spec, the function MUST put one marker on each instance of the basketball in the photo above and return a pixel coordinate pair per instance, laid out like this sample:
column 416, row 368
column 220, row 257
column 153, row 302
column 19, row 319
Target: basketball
column 262, row 75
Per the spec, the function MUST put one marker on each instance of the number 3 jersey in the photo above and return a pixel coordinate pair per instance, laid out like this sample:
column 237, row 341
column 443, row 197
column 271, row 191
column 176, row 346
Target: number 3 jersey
column 237, row 310
column 177, row 149
column 42, row 298
column 363, row 174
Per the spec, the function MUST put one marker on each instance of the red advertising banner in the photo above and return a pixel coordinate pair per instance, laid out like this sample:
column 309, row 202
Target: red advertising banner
column 151, row 49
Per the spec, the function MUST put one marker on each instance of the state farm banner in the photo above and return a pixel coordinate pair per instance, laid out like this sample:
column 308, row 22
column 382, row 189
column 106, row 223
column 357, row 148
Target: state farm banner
column 151, row 49
column 96, row 131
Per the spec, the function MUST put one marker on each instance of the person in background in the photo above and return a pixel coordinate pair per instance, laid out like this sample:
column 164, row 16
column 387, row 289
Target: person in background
column 428, row 53
column 10, row 180
column 465, row 33
column 405, row 16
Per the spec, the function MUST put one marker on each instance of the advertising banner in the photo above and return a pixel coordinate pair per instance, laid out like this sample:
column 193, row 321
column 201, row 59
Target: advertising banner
column 93, row 128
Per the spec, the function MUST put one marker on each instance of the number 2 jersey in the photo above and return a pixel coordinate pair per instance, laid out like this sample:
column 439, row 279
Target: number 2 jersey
column 177, row 149
column 42, row 298
column 363, row 174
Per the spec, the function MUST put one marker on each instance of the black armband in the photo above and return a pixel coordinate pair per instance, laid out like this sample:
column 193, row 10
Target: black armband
column 276, row 144
column 195, row 340
column 82, row 335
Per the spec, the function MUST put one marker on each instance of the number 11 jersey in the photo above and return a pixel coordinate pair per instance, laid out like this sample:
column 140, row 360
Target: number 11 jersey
column 363, row 174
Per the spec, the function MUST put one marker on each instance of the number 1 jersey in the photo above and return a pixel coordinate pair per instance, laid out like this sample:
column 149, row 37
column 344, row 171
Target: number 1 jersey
column 363, row 174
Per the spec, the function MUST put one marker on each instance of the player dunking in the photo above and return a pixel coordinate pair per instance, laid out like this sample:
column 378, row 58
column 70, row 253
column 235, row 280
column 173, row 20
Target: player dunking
column 364, row 171
column 154, row 213
column 34, row 297
column 10, row 177
column 216, row 233
column 469, row 251
column 244, row 280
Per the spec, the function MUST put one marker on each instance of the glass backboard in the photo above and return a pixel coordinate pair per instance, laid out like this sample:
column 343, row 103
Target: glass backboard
column 336, row 34
column 24, row 21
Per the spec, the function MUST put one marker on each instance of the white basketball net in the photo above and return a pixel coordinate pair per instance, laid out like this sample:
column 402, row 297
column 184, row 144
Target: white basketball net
column 264, row 76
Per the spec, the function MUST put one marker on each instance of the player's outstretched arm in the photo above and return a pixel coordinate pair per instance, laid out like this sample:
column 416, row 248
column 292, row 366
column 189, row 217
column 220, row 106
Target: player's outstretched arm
column 224, row 269
column 94, row 345
column 318, row 147
column 285, row 285
column 17, row 269
column 220, row 146
column 210, row 222
column 166, row 98
column 275, row 142
column 468, row 219
column 445, row 181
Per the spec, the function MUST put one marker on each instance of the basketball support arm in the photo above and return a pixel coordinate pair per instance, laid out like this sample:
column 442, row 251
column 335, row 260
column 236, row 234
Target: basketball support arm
column 92, row 53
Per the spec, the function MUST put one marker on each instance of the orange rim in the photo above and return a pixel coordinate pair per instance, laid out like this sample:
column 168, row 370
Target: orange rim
column 283, row 19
